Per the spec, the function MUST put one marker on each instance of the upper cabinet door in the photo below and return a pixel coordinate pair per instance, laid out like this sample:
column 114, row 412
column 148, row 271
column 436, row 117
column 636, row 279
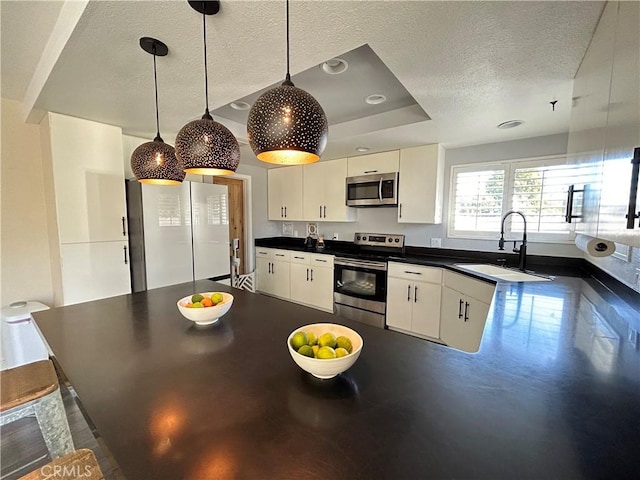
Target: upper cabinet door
column 324, row 192
column 623, row 129
column 88, row 177
column 420, row 189
column 284, row 192
column 383, row 162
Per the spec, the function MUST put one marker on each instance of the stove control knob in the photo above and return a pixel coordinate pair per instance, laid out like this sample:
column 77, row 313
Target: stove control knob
column 364, row 238
column 390, row 240
column 397, row 240
column 358, row 237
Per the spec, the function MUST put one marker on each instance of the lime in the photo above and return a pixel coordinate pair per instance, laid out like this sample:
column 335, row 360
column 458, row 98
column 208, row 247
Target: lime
column 299, row 339
column 326, row 352
column 196, row 298
column 216, row 298
column 341, row 352
column 315, row 349
column 197, row 305
column 306, row 350
column 344, row 342
column 327, row 340
column 313, row 339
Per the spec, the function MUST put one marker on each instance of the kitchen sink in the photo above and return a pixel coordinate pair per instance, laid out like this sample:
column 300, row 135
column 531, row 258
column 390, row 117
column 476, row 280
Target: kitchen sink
column 502, row 273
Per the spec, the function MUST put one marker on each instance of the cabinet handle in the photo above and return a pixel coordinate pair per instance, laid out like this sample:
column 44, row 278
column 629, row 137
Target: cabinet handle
column 299, row 258
column 412, row 273
column 371, row 171
column 325, row 211
column 273, row 268
column 307, row 274
column 124, row 230
column 568, row 216
column 633, row 190
column 400, row 210
column 312, row 274
column 125, row 255
column 460, row 309
column 318, row 260
column 415, row 294
column 466, row 311
column 285, row 211
column 408, row 293
column 281, row 212
column 320, row 207
column 279, row 254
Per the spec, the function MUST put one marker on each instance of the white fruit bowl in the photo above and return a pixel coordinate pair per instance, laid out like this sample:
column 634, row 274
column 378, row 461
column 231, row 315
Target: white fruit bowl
column 327, row 368
column 205, row 315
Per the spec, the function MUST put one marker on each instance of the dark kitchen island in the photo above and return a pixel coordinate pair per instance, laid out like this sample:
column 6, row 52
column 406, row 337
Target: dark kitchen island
column 554, row 391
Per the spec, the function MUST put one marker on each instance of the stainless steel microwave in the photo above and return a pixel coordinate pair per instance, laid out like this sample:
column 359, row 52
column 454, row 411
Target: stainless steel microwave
column 375, row 190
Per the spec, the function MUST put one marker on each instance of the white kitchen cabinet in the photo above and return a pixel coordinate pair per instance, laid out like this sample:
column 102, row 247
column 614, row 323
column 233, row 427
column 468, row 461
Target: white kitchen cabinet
column 284, row 193
column 383, row 162
column 324, row 192
column 413, row 299
column 94, row 270
column 622, row 134
column 420, row 189
column 312, row 280
column 465, row 305
column 272, row 272
column 86, row 208
column 88, row 175
column 605, row 123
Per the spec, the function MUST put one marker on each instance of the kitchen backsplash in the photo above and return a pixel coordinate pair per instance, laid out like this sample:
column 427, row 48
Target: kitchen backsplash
column 628, row 272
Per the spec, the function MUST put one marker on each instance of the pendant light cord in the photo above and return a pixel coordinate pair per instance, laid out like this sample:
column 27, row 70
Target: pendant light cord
column 206, row 115
column 287, row 80
column 155, row 82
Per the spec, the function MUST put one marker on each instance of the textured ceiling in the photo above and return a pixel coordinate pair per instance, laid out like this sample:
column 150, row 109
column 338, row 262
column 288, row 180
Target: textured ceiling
column 468, row 65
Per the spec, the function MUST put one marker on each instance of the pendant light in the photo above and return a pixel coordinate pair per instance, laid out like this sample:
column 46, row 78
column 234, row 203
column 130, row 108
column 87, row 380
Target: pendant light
column 206, row 147
column 286, row 125
column 155, row 162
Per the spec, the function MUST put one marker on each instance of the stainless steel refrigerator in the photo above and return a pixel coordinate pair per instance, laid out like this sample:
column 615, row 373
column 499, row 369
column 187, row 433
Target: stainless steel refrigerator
column 177, row 233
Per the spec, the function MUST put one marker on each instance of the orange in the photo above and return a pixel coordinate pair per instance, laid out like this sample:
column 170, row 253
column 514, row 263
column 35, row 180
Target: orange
column 206, row 302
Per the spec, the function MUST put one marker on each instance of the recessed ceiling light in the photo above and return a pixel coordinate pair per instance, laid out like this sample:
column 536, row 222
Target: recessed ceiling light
column 240, row 105
column 510, row 124
column 375, row 99
column 362, row 149
column 334, row 66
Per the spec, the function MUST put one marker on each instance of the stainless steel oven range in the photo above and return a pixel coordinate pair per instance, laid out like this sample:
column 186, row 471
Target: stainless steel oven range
column 360, row 279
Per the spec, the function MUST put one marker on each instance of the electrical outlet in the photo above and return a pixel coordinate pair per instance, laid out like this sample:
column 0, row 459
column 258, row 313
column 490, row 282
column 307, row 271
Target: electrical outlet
column 436, row 242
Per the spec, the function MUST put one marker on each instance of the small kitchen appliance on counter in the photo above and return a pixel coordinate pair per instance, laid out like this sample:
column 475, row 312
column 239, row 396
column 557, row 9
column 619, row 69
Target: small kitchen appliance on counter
column 360, row 280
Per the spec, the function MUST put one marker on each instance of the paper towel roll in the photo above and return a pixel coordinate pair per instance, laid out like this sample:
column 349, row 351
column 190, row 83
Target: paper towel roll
column 596, row 247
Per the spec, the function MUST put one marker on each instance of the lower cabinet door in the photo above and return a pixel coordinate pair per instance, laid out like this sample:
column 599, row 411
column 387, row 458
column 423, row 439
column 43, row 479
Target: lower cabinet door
column 462, row 320
column 426, row 309
column 280, row 278
column 299, row 290
column 399, row 303
column 94, row 270
column 263, row 274
column 321, row 287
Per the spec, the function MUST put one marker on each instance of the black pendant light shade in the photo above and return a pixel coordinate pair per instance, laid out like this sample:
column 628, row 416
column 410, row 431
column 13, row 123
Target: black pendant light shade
column 156, row 162
column 206, row 147
column 286, row 125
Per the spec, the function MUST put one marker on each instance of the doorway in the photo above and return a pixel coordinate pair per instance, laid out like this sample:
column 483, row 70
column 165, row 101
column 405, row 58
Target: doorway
column 236, row 215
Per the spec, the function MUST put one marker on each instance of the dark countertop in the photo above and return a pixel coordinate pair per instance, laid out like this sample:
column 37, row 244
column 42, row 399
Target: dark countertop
column 554, row 391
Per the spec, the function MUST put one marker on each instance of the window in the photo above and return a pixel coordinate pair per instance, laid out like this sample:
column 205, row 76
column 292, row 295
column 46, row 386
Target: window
column 482, row 193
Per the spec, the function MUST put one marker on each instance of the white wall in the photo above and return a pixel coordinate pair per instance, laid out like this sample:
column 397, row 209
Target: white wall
column 384, row 220
column 25, row 255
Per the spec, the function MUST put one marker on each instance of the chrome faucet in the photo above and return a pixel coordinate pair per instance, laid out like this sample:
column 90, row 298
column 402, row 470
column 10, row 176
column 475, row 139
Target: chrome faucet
column 522, row 251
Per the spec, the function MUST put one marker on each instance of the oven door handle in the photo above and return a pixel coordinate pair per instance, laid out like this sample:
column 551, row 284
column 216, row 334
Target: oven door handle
column 361, row 264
